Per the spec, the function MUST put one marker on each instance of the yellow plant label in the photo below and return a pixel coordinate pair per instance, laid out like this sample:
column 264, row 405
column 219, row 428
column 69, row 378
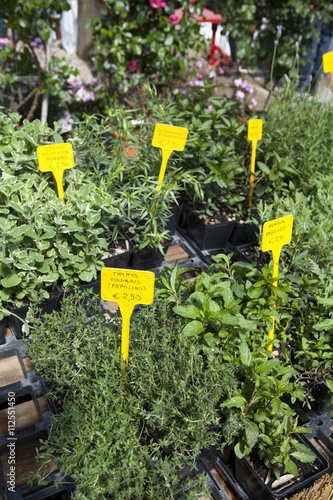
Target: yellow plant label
column 169, row 137
column 277, row 233
column 56, row 158
column 254, row 131
column 128, row 288
column 328, row 62
column 254, row 134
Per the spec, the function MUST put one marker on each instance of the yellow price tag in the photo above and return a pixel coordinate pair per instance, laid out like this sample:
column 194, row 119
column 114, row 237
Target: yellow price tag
column 254, row 134
column 328, row 64
column 275, row 234
column 168, row 138
column 254, row 131
column 127, row 288
column 56, row 158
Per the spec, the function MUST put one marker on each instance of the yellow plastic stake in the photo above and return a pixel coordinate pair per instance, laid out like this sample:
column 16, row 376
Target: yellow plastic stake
column 127, row 288
column 56, row 158
column 275, row 234
column 254, row 134
column 328, row 64
column 168, row 138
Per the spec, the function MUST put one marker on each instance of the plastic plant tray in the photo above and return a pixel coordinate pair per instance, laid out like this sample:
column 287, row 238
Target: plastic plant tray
column 25, row 464
column 28, row 414
column 204, row 235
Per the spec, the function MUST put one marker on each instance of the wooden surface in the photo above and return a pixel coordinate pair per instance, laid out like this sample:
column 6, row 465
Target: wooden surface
column 25, row 462
column 224, row 485
column 25, row 414
column 176, row 252
column 10, row 371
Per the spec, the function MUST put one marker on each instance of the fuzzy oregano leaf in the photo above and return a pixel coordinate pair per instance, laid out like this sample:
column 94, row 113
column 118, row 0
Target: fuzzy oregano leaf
column 10, row 281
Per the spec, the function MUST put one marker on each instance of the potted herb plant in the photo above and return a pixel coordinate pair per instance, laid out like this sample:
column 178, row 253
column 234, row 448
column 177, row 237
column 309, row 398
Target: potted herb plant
column 84, row 367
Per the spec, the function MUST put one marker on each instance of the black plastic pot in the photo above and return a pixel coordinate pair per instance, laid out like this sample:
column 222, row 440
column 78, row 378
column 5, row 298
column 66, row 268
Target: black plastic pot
column 119, row 258
column 255, row 487
column 46, row 307
column 147, row 259
column 318, row 417
column 243, row 234
column 173, row 221
column 3, row 326
column 206, row 236
column 241, row 254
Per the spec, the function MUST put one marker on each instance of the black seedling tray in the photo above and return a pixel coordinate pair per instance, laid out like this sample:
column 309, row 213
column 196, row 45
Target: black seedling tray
column 25, row 491
column 22, row 395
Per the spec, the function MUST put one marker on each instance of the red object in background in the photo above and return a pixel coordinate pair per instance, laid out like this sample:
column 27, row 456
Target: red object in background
column 208, row 16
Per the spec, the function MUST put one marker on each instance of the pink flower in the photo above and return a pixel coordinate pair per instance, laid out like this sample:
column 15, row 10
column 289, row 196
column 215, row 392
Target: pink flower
column 198, row 64
column 173, row 19
column 238, row 82
column 254, row 102
column 4, row 42
column 198, row 76
column 196, row 83
column 155, row 4
column 220, row 70
column 132, row 66
column 212, row 74
column 210, row 107
column 239, row 95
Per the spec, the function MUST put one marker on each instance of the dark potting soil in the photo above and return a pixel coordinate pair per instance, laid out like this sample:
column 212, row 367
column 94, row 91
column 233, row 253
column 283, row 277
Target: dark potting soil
column 122, row 246
column 305, row 470
column 221, row 216
column 256, row 255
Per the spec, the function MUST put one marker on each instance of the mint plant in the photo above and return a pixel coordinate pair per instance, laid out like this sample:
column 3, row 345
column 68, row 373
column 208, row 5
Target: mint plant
column 230, row 302
column 257, row 418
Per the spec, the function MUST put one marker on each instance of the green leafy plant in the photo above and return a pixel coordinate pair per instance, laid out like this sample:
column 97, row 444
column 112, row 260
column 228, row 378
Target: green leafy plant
column 228, row 302
column 293, row 21
column 170, row 387
column 141, row 40
column 24, row 76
